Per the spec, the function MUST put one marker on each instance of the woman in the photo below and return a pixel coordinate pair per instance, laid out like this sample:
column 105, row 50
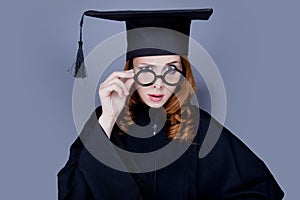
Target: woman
column 113, row 91
column 146, row 108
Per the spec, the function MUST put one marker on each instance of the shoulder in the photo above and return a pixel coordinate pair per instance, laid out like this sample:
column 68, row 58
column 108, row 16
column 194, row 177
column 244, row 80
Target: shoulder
column 235, row 166
column 78, row 145
column 218, row 142
column 211, row 130
column 71, row 178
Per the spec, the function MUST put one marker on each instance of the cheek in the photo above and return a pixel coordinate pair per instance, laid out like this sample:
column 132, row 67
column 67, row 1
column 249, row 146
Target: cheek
column 142, row 91
column 138, row 88
column 171, row 89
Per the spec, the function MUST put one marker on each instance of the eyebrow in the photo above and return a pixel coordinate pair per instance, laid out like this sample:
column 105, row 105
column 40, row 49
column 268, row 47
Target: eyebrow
column 173, row 62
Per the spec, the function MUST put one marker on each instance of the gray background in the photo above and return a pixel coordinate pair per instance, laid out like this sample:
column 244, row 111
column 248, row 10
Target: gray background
column 254, row 43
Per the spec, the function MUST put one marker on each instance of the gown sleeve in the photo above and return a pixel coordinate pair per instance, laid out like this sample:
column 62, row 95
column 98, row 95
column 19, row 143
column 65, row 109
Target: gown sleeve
column 231, row 170
column 71, row 182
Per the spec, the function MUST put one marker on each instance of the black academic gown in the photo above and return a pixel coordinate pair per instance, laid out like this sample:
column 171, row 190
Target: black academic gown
column 229, row 171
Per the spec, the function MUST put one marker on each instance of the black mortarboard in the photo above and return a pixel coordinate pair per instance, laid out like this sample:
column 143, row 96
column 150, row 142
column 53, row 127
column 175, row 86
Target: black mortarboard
column 149, row 32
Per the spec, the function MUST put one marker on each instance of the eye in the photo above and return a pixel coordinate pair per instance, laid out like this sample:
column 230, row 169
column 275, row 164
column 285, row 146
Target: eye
column 170, row 68
column 148, row 67
column 173, row 67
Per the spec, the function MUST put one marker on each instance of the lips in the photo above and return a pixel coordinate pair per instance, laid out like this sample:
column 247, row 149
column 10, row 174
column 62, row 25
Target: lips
column 156, row 97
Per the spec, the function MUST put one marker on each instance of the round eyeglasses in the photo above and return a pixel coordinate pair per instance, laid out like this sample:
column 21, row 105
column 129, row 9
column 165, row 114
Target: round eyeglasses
column 172, row 77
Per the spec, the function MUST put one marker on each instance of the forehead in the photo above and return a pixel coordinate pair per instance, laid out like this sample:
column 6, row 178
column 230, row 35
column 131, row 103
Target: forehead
column 156, row 60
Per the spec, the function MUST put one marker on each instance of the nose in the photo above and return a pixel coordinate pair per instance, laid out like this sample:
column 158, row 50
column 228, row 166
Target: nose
column 158, row 82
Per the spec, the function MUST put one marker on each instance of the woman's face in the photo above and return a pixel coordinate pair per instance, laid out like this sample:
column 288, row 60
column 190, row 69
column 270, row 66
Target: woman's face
column 157, row 94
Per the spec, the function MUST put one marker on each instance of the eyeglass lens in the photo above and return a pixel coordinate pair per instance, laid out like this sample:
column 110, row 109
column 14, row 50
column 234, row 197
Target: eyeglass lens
column 147, row 77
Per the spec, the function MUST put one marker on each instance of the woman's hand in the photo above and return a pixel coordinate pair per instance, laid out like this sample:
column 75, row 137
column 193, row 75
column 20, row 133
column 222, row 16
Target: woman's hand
column 113, row 93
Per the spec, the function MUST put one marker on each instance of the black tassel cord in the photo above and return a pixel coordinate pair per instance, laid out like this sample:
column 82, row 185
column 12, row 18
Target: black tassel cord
column 80, row 69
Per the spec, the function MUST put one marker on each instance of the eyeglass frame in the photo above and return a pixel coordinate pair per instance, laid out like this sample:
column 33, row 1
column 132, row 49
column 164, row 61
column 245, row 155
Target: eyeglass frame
column 162, row 77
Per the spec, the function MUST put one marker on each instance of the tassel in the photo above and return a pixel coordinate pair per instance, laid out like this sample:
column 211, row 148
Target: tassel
column 80, row 69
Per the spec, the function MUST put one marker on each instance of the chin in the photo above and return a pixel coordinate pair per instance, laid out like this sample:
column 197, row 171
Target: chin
column 155, row 105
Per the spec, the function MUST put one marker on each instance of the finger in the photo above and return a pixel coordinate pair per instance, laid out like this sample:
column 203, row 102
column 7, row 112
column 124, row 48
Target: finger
column 128, row 83
column 109, row 89
column 119, row 83
column 120, row 74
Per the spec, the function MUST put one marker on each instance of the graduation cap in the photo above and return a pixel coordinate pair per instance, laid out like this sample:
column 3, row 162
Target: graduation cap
column 149, row 32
